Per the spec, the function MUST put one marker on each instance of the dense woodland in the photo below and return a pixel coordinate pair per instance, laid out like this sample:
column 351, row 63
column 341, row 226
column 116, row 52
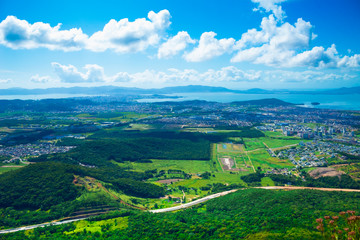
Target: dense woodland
column 344, row 181
column 49, row 186
column 252, row 214
column 37, row 186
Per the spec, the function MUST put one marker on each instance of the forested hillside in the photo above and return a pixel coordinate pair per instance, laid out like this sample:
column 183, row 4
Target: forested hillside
column 251, row 214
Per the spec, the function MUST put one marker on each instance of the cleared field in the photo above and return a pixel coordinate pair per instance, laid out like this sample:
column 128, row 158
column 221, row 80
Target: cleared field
column 140, row 127
column 7, row 169
column 262, row 159
column 224, row 178
column 235, row 152
column 98, row 226
column 272, row 142
column 266, row 181
column 188, row 166
column 198, row 130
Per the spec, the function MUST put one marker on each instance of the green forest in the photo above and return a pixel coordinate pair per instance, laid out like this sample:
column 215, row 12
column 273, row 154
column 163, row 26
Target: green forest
column 250, row 214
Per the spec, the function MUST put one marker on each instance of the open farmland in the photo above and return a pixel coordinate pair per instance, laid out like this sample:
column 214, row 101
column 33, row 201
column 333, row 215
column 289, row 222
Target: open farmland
column 188, row 166
column 261, row 158
column 238, row 160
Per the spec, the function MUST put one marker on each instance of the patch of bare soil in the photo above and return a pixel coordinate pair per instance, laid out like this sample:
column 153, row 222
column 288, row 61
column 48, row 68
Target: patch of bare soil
column 325, row 172
column 169, row 181
column 227, row 163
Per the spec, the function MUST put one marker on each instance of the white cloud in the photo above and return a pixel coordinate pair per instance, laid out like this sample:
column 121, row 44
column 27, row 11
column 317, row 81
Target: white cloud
column 276, row 44
column 273, row 45
column 175, row 45
column 352, row 61
column 3, row 81
column 95, row 73
column 229, row 74
column 288, row 45
column 124, row 36
column 210, row 47
column 309, row 76
column 271, row 6
column 19, row 34
column 70, row 74
column 42, row 79
column 121, row 36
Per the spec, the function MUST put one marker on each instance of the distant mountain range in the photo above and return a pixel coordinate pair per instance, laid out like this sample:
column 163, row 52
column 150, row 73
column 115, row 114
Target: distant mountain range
column 112, row 90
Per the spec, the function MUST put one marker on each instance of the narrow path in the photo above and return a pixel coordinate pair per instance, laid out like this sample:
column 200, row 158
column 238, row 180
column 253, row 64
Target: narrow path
column 269, row 149
column 117, row 198
column 250, row 162
column 284, row 147
column 258, row 149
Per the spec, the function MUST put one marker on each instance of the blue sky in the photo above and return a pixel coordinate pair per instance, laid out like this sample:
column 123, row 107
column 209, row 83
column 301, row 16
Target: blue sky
column 238, row 44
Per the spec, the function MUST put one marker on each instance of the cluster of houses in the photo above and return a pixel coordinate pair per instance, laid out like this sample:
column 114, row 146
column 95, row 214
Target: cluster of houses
column 25, row 150
column 282, row 171
column 315, row 153
column 305, row 132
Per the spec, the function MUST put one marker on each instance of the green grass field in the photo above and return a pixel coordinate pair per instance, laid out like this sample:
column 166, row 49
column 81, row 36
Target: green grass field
column 140, row 127
column 261, row 158
column 188, row 166
column 224, row 178
column 99, row 226
column 266, row 181
column 7, row 169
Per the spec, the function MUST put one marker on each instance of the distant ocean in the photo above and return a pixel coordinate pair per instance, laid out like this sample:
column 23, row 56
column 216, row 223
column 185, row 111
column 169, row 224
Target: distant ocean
column 43, row 96
column 341, row 102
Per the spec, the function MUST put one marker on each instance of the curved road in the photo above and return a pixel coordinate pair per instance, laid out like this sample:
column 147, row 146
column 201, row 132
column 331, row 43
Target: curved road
column 39, row 225
column 195, row 202
column 186, row 205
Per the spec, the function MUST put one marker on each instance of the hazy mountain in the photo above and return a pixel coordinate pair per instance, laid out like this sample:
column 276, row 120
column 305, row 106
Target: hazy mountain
column 113, row 90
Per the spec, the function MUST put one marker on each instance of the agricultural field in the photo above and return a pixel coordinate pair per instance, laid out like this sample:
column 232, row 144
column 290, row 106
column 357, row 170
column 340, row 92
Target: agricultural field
column 219, row 177
column 274, row 141
column 139, row 127
column 188, row 166
column 237, row 154
column 248, row 160
column 261, row 158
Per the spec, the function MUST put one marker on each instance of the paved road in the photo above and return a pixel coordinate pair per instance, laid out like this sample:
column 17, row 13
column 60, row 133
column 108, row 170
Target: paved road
column 186, row 205
column 38, row 225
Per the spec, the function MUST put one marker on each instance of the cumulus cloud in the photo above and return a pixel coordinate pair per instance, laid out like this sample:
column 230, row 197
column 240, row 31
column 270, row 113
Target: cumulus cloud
column 95, row 73
column 19, row 34
column 121, row 36
column 274, row 43
column 70, row 74
column 175, row 45
column 42, row 79
column 287, row 45
column 209, row 47
column 272, row 6
column 124, row 36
